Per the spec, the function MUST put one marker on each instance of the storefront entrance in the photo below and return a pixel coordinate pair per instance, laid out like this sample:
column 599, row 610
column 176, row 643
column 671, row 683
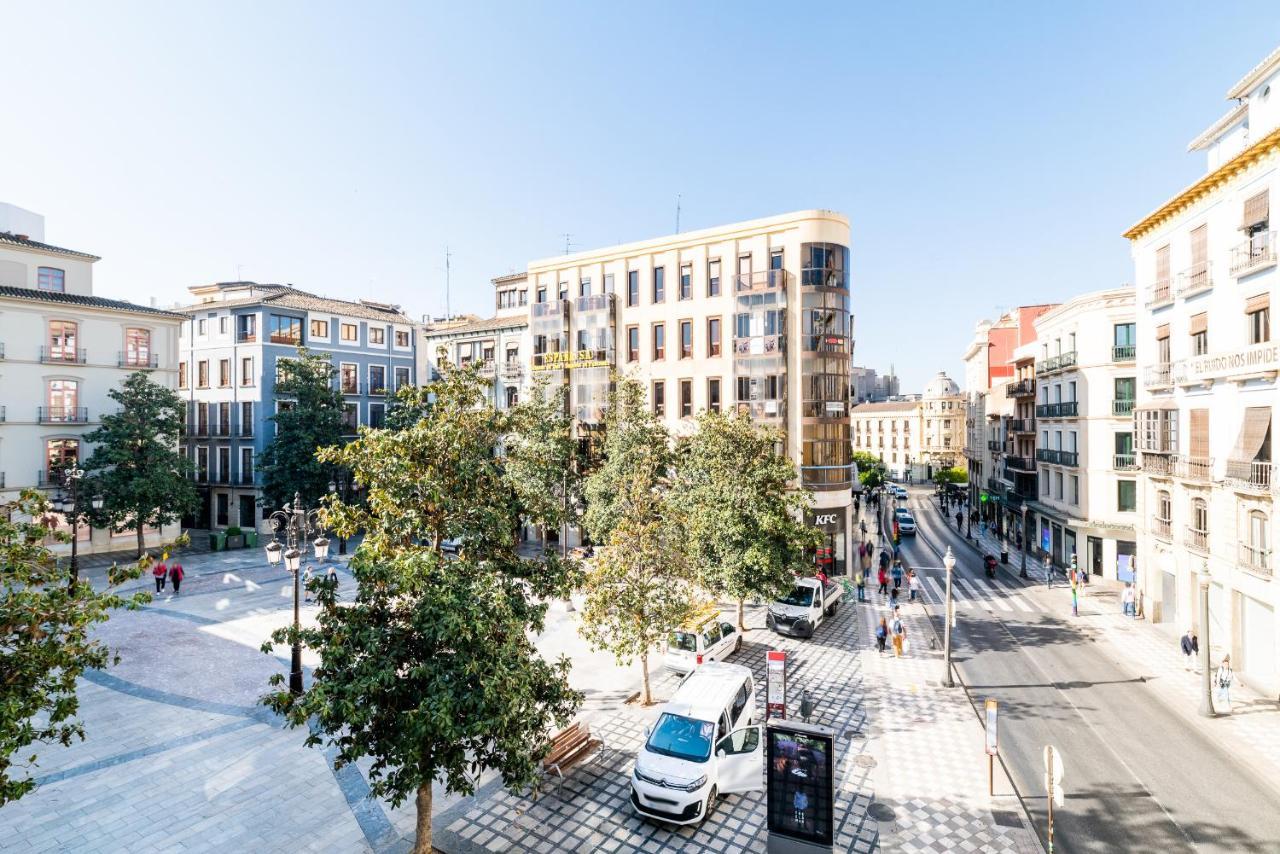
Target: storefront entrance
column 829, row 556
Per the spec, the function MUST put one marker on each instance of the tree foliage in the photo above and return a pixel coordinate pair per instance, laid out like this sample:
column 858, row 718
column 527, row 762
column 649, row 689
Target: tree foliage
column 634, row 440
column 431, row 671
column 870, row 469
column 742, row 514
column 135, row 464
column 46, row 642
column 542, row 458
column 310, row 418
column 955, row 474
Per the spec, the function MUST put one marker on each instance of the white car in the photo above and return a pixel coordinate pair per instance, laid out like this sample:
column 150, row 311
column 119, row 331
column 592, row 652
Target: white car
column 702, row 745
column 704, row 637
column 906, row 522
column 898, row 491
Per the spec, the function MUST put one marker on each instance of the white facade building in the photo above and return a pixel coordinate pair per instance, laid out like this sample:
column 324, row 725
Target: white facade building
column 1206, row 273
column 62, row 349
column 914, row 437
column 1086, row 385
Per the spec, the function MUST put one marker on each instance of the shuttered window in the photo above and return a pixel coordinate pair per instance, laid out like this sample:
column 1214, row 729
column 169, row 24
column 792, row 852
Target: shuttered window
column 1199, row 433
column 1162, row 265
column 1254, row 441
column 1200, row 322
column 1257, row 212
column 1162, row 332
column 1257, row 303
column 1199, row 246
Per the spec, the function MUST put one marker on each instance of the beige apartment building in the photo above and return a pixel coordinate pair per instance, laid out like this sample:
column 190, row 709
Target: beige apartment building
column 914, row 436
column 753, row 316
column 1206, row 271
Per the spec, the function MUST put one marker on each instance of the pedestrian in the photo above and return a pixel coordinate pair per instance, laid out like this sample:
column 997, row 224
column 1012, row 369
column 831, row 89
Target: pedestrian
column 1190, row 647
column 1223, row 679
column 1127, row 599
column 1048, row 571
column 160, row 573
column 913, row 584
column 882, row 635
column 883, row 578
column 959, row 519
column 893, row 598
column 175, row 576
column 897, row 574
column 899, row 636
column 331, row 577
column 862, row 525
column 306, row 583
column 862, row 585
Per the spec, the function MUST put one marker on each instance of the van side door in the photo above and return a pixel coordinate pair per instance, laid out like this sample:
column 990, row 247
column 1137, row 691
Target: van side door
column 740, row 758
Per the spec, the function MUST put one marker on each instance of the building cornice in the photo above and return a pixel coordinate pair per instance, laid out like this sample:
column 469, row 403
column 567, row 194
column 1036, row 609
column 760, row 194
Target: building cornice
column 1216, row 180
column 1215, row 130
column 1255, row 74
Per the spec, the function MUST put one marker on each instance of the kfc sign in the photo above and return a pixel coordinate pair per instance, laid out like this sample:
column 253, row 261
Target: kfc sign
column 832, row 522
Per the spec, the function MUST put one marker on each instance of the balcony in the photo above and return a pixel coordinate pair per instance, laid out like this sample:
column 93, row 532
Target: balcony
column 1162, row 528
column 1159, row 295
column 1021, row 388
column 246, row 478
column 1065, row 409
column 594, row 302
column 138, row 361
column 1193, row 468
column 1254, row 476
column 62, row 355
column 1196, row 279
column 1124, row 353
column 765, row 280
column 197, row 429
column 1255, row 559
column 1256, row 253
column 993, row 445
column 1158, row 376
column 1022, row 425
column 1023, row 464
column 221, row 477
column 1058, row 458
column 63, row 415
column 246, row 431
column 284, row 338
column 379, row 389
column 1124, row 462
column 351, row 387
column 245, row 337
column 222, row 430
column 512, row 370
column 1122, row 407
column 826, row 477
column 552, row 309
column 1196, row 540
column 824, row 277
column 1061, row 362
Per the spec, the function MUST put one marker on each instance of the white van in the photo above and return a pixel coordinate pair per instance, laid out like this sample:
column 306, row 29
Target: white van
column 704, row 637
column 702, row 745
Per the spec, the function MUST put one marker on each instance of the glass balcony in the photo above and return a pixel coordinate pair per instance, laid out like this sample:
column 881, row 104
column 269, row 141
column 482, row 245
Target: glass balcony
column 1256, row 253
column 765, row 280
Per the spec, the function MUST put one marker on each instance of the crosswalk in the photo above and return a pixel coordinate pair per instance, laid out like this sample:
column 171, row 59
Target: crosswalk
column 988, row 595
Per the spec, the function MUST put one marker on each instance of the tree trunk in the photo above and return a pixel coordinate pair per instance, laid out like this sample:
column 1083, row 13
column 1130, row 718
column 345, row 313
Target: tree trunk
column 644, row 669
column 141, row 551
column 422, row 845
column 742, row 627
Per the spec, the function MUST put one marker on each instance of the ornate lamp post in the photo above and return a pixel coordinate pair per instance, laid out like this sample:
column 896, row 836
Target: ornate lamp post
column 949, row 562
column 69, row 506
column 298, row 525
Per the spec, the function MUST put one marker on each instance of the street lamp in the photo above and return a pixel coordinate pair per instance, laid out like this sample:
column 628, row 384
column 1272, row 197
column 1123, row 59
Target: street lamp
column 1206, row 685
column 69, row 506
column 949, row 562
column 298, row 525
column 1026, row 541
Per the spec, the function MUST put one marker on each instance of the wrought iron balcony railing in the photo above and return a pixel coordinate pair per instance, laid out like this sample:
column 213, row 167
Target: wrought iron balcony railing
column 1256, row 253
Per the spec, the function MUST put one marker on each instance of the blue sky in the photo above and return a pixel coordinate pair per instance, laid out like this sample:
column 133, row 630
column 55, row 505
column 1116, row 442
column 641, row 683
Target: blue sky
column 988, row 154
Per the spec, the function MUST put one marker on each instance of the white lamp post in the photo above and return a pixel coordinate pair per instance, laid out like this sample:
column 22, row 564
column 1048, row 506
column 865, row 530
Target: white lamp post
column 949, row 562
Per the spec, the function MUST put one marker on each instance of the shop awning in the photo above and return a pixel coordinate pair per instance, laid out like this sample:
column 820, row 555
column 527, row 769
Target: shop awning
column 1253, row 433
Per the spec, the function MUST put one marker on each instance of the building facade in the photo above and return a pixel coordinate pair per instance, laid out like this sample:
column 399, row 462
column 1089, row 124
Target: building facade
column 753, row 316
column 232, row 339
column 501, row 345
column 1085, row 389
column 62, row 350
column 1205, row 268
column 914, row 437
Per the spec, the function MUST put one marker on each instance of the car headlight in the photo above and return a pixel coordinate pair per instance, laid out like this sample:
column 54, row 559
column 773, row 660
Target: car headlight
column 696, row 784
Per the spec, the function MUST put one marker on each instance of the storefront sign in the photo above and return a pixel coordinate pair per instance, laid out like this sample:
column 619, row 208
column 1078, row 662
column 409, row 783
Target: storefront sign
column 832, row 523
column 776, row 684
column 1251, row 360
column 570, row 360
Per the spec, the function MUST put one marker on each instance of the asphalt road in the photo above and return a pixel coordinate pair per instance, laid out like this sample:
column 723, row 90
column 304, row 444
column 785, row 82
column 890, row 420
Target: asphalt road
column 1139, row 776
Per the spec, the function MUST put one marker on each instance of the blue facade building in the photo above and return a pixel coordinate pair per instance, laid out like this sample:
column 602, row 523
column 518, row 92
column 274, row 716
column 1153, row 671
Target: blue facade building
column 235, row 334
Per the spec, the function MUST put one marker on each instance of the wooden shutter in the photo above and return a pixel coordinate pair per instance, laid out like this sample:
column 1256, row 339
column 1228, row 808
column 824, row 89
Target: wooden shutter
column 1199, row 245
column 1162, row 264
column 1199, row 323
column 1257, row 210
column 1257, row 303
column 1253, row 434
column 1162, row 331
column 1199, row 433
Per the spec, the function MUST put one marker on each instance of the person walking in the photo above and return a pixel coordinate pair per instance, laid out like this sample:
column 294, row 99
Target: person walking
column 1127, row 599
column 899, row 635
column 882, row 635
column 1223, row 679
column 897, row 574
column 331, row 577
column 1075, row 593
column 160, row 572
column 883, row 578
column 862, row 526
column 1048, row 571
column 175, row 576
column 893, row 598
column 861, row 581
column 959, row 519
column 306, row 584
column 913, row 584
column 1190, row 647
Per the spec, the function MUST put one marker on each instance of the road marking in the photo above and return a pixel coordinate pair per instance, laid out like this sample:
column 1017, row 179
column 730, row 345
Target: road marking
column 987, row 601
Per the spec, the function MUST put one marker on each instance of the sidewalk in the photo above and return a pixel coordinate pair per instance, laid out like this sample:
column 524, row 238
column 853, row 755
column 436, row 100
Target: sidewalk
column 1251, row 732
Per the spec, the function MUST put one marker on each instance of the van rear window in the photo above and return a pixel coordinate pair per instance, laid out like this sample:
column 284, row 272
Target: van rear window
column 683, row 641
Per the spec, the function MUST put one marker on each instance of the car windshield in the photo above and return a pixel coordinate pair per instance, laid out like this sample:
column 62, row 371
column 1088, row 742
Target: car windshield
column 683, row 641
column 681, row 737
column 802, row 596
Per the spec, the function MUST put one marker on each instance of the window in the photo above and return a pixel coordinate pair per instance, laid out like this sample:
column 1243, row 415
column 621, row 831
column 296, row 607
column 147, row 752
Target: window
column 63, row 339
column 513, row 394
column 63, row 397
column 246, row 465
column 608, row 283
column 1073, row 491
column 350, row 418
column 713, row 394
column 202, row 374
column 377, row 335
column 1057, row 485
column 686, row 281
column 1126, row 496
column 349, row 376
column 202, row 418
column 1199, row 516
column 1199, row 334
column 1123, row 335
column 51, row 279
column 222, row 325
column 713, row 336
column 633, row 343
column 377, row 416
column 686, row 339
column 1258, row 553
column 775, row 259
column 1164, row 507
column 202, row 326
column 182, row 375
column 202, row 464
column 246, row 418
column 659, row 398
column 224, row 373
column 633, row 287
column 659, row 342
column 659, row 284
column 402, row 338
column 1126, row 389
column 284, row 330
column 542, row 294
column 686, row 398
column 584, row 287
column 224, row 476
column 564, row 291
column 713, row 278
column 246, row 370
column 246, row 328
column 402, row 378
column 349, row 332
column 377, row 379
column 137, row 348
column 1258, row 313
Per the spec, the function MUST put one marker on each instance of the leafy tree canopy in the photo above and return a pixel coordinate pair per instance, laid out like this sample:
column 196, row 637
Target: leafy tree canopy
column 310, row 418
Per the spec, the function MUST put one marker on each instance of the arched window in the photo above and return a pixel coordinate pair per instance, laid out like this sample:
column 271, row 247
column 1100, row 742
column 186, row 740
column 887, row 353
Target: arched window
column 1164, row 507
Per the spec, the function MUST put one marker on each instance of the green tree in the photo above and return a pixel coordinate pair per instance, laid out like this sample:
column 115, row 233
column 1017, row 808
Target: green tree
column 135, row 464
column 431, row 671
column 742, row 515
column 542, row 459
column 870, row 469
column 46, row 639
column 309, row 418
column 408, row 406
column 633, row 436
column 955, row 474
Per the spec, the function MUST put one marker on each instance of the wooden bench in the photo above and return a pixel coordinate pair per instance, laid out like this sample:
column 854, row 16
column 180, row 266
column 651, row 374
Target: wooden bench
column 568, row 747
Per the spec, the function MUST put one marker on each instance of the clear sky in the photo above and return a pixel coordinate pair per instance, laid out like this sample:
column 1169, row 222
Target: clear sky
column 988, row 154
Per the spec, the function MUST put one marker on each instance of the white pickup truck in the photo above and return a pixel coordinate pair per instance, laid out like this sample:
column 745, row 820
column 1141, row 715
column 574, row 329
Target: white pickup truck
column 807, row 606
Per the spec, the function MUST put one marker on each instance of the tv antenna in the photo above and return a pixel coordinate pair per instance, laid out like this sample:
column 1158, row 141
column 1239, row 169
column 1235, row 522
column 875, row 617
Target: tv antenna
column 677, row 213
column 447, row 256
column 567, row 244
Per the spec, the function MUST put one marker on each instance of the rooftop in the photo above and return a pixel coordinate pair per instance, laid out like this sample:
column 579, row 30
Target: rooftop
column 884, row 406
column 84, row 301
column 479, row 325
column 287, row 296
column 24, row 242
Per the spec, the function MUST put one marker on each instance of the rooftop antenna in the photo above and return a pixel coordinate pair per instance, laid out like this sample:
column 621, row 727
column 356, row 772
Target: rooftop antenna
column 447, row 255
column 567, row 235
column 677, row 213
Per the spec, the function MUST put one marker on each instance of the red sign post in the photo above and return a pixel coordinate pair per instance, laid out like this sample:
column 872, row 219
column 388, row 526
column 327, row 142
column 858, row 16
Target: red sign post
column 776, row 684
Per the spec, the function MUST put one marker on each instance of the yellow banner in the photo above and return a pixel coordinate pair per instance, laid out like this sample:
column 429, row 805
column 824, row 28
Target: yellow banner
column 570, row 360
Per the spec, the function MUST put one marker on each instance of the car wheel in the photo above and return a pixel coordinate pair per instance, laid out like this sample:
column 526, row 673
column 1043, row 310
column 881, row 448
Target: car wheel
column 711, row 803
column 737, row 645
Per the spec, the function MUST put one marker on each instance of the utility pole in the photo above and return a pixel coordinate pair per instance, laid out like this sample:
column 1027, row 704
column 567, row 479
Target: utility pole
column 677, row 213
column 948, row 563
column 1206, row 684
column 447, row 256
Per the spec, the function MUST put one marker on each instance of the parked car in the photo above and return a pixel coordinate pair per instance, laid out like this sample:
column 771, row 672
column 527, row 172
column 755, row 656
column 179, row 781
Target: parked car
column 704, row 637
column 703, row 745
column 800, row 612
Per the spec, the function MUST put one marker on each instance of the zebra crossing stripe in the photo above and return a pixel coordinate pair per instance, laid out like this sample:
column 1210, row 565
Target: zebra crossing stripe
column 1014, row 596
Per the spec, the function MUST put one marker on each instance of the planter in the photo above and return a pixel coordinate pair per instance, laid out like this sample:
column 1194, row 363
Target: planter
column 251, row 538
column 236, row 542
column 217, row 541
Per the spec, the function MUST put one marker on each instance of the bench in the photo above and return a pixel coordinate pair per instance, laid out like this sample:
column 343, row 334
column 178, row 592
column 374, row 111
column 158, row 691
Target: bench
column 568, row 747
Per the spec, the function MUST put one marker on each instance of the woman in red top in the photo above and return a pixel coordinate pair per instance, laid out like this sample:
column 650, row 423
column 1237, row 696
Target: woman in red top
column 159, row 572
column 175, row 575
